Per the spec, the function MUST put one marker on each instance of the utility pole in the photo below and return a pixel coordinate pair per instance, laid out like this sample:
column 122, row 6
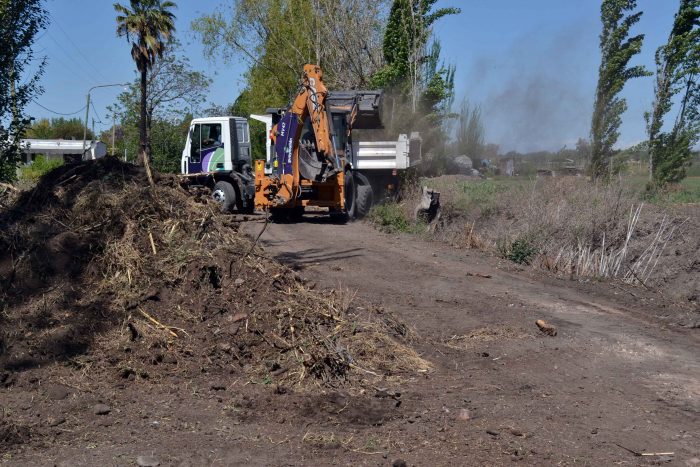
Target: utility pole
column 87, row 114
column 87, row 110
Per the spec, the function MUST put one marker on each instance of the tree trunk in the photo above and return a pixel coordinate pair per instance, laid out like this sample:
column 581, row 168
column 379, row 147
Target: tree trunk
column 143, row 135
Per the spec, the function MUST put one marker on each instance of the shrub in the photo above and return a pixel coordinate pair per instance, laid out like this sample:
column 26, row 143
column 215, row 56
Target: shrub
column 38, row 168
column 521, row 251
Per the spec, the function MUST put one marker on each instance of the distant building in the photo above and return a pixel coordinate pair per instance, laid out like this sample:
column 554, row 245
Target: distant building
column 64, row 149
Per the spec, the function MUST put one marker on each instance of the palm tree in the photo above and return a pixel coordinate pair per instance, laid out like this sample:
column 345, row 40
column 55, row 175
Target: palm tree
column 148, row 25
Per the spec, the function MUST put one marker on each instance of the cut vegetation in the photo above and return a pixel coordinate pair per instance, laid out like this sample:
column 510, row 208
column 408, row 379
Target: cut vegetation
column 101, row 274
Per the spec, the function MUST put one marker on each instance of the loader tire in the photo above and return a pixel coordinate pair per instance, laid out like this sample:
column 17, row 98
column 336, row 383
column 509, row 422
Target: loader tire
column 364, row 196
column 350, row 194
column 225, row 195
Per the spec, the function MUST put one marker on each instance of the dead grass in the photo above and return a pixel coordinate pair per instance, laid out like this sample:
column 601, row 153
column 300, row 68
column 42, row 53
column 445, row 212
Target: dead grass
column 572, row 227
column 487, row 334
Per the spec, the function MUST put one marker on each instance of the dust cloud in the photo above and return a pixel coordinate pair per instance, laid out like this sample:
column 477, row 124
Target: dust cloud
column 539, row 94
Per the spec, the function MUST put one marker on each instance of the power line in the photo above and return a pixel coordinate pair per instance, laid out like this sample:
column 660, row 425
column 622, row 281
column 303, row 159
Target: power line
column 77, row 63
column 87, row 60
column 59, row 113
column 79, row 76
column 99, row 119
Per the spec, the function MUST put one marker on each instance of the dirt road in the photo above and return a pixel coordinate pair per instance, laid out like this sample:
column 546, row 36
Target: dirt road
column 622, row 374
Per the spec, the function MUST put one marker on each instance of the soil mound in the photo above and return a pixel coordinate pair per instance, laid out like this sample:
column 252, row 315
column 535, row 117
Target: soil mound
column 100, row 271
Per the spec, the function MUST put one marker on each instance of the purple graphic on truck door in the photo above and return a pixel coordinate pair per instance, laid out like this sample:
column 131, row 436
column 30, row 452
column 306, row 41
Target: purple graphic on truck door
column 284, row 145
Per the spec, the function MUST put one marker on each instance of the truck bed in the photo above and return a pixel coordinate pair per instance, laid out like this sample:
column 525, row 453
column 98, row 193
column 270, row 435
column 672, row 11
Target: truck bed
column 380, row 155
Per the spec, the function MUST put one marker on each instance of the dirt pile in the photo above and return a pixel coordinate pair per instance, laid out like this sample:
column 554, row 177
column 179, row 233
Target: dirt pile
column 100, row 272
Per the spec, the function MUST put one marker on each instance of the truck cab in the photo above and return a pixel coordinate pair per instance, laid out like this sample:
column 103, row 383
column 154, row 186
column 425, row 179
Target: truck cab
column 217, row 155
column 217, row 144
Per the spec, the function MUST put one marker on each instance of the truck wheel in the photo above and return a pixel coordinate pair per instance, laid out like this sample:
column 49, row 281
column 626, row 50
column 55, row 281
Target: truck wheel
column 350, row 194
column 225, row 195
column 364, row 198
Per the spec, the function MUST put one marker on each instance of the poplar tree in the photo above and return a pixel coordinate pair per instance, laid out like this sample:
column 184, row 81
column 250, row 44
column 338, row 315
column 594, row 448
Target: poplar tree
column 420, row 87
column 408, row 31
column 617, row 49
column 677, row 69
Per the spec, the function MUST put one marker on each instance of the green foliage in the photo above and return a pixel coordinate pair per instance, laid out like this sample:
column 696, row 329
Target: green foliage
column 20, row 22
column 617, row 49
column 168, row 138
column 389, row 217
column 408, row 31
column 686, row 191
column 277, row 37
column 58, row 128
column 677, row 67
column 38, row 168
column 149, row 25
column 422, row 88
column 520, row 251
column 168, row 142
column 476, row 195
column 173, row 88
column 470, row 131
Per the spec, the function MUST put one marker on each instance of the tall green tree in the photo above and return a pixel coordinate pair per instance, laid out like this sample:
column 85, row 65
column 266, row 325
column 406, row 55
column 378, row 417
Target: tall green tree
column 617, row 49
column 677, row 70
column 408, row 32
column 147, row 24
column 420, row 87
column 20, row 22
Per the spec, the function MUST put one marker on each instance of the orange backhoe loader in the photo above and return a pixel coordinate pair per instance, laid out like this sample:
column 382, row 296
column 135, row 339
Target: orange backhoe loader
column 283, row 191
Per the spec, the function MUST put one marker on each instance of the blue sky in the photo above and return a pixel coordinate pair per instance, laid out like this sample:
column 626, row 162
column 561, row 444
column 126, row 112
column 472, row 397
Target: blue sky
column 531, row 65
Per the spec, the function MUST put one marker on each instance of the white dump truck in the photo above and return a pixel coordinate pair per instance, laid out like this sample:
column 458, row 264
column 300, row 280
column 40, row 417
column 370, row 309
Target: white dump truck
column 218, row 155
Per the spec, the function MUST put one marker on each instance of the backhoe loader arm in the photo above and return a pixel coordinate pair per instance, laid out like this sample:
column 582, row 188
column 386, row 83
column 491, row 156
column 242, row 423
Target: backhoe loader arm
column 309, row 103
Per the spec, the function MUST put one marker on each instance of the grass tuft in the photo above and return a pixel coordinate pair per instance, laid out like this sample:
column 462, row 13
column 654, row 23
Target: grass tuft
column 391, row 217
